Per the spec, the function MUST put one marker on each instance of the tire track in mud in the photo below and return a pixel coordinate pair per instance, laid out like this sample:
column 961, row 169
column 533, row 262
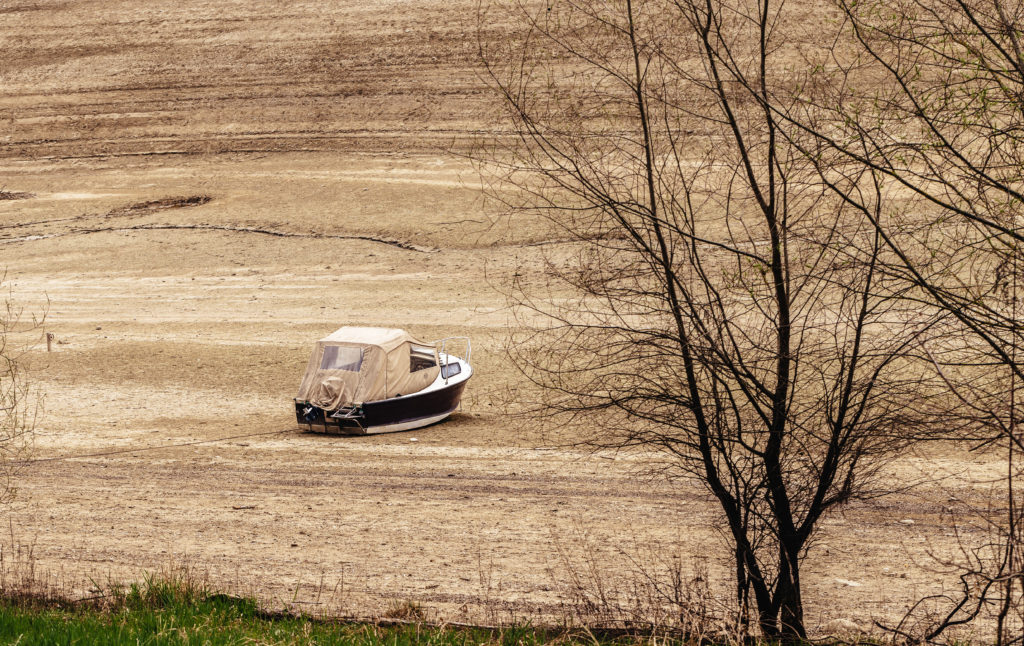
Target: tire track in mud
column 149, row 207
column 137, row 209
column 427, row 140
column 186, row 96
column 407, row 246
column 451, row 483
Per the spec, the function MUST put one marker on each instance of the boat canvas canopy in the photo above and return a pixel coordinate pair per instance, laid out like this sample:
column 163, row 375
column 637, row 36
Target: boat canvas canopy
column 353, row 365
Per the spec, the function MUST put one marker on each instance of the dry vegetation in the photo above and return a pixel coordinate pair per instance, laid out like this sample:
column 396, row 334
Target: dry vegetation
column 199, row 189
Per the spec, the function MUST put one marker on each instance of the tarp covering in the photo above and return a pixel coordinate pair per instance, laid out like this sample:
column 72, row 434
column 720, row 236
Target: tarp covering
column 353, row 365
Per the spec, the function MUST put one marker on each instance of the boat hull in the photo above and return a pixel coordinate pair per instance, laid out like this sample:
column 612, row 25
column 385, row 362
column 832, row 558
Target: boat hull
column 386, row 415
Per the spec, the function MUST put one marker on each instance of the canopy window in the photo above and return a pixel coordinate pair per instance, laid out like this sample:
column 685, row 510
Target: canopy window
column 339, row 357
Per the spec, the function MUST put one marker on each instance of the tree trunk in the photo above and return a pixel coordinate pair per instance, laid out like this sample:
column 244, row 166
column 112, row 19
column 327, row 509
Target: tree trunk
column 791, row 609
column 742, row 593
column 787, row 595
column 783, row 619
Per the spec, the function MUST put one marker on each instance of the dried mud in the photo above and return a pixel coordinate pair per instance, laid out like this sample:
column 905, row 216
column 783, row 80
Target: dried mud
column 207, row 187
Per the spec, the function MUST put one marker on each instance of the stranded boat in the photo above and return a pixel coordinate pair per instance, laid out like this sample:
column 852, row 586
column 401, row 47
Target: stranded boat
column 376, row 380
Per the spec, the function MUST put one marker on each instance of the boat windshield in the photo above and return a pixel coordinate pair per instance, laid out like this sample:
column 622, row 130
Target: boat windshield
column 421, row 357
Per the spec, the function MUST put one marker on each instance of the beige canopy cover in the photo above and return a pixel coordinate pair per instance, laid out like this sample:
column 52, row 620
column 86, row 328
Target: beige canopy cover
column 360, row 364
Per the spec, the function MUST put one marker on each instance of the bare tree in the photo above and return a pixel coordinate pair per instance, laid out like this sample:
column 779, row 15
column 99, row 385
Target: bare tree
column 17, row 409
column 926, row 98
column 718, row 303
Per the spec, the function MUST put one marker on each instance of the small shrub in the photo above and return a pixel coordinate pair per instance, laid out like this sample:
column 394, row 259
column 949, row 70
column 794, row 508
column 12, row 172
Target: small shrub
column 405, row 611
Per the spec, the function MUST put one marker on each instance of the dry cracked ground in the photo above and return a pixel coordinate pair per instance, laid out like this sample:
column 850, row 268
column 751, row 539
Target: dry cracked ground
column 200, row 189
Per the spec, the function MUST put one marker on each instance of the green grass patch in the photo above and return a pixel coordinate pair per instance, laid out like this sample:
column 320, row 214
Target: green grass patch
column 177, row 611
